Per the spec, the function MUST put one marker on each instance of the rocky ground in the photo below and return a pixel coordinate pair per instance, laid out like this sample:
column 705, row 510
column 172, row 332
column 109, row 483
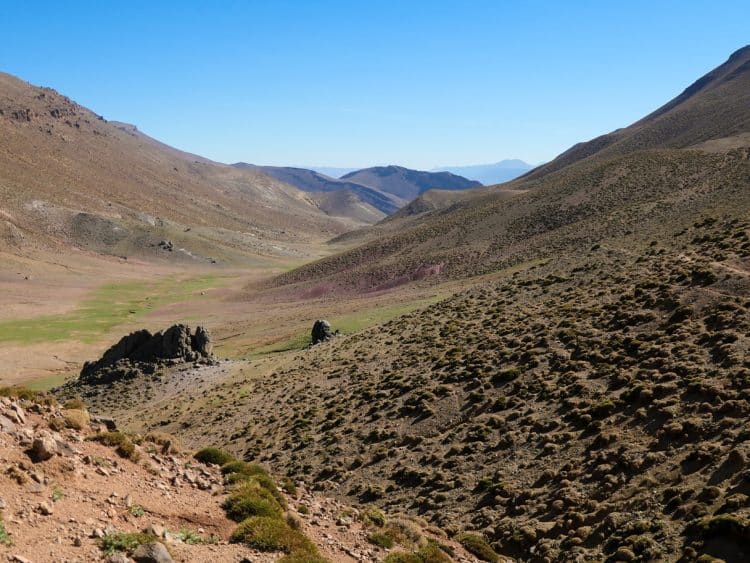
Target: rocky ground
column 67, row 497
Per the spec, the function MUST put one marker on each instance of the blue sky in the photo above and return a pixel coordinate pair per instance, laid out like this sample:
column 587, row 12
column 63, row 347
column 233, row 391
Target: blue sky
column 356, row 83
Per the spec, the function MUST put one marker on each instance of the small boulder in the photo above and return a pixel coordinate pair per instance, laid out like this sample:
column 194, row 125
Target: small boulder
column 321, row 331
column 154, row 552
column 43, row 447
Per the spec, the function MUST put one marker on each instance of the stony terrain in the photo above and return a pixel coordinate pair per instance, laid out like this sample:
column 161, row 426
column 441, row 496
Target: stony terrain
column 73, row 490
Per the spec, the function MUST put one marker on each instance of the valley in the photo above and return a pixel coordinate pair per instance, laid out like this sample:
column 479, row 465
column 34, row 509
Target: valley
column 551, row 369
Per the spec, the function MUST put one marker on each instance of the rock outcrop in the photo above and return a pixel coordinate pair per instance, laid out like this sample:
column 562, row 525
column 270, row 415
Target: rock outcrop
column 143, row 352
column 322, row 331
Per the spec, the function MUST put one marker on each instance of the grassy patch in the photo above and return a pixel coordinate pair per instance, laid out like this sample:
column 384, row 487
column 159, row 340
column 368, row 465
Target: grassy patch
column 271, row 534
column 122, row 444
column 125, row 542
column 105, row 308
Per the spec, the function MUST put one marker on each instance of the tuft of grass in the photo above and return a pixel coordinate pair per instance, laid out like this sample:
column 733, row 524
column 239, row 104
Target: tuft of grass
column 76, row 419
column 123, row 445
column 428, row 554
column 57, row 494
column 136, row 510
column 242, row 468
column 213, row 456
column 381, row 540
column 271, row 534
column 125, row 542
column 193, row 538
column 4, row 536
column 251, row 499
column 373, row 515
column 476, row 545
column 76, row 404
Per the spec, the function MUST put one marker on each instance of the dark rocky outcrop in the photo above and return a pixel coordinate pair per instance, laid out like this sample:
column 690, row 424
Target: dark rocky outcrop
column 143, row 352
column 322, row 331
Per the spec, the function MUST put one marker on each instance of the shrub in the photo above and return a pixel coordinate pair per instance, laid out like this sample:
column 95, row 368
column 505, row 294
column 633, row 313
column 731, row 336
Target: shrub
column 213, row 456
column 76, row 404
column 373, row 515
column 122, row 444
column 477, row 545
column 289, row 487
column 163, row 439
column 242, row 468
column 76, row 419
column 251, row 500
column 381, row 540
column 127, row 542
column 271, row 534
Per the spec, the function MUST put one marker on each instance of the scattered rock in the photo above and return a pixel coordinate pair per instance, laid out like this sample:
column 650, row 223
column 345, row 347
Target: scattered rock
column 152, row 553
column 43, row 447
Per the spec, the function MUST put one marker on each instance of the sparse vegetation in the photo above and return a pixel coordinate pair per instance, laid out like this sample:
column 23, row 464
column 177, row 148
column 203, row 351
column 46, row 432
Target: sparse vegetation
column 123, row 445
column 125, row 542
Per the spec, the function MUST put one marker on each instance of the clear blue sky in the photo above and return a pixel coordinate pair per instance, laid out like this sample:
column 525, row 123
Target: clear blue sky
column 356, row 82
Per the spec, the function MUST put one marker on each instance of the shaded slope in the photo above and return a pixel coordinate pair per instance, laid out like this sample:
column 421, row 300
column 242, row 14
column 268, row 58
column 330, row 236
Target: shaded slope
column 311, row 181
column 406, row 183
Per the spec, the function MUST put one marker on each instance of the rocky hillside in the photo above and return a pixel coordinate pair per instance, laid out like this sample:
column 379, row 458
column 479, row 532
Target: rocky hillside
column 70, row 178
column 73, row 488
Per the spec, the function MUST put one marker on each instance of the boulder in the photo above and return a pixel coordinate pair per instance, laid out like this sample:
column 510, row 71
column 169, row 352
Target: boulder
column 154, row 552
column 43, row 447
column 322, row 331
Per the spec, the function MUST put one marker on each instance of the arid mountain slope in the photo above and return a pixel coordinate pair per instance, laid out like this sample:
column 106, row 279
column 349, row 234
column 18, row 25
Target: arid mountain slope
column 67, row 176
column 716, row 105
column 574, row 201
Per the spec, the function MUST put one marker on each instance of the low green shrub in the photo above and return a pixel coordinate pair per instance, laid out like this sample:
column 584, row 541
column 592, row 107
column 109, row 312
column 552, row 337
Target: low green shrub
column 242, row 468
column 271, row 534
column 381, row 540
column 251, row 499
column 213, row 456
column 476, row 544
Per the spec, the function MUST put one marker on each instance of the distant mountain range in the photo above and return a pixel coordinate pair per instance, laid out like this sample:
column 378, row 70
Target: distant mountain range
column 490, row 174
column 367, row 195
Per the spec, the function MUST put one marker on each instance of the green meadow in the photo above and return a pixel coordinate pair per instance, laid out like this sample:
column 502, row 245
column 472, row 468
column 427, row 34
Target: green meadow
column 105, row 308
